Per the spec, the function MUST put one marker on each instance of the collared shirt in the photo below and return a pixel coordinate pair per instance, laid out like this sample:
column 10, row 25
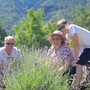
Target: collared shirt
column 63, row 53
column 4, row 57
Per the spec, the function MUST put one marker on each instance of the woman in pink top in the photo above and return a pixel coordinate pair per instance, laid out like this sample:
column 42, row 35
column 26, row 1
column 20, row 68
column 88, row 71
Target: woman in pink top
column 59, row 51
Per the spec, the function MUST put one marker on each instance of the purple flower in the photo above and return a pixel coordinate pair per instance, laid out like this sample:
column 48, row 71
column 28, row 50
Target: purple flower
column 89, row 68
column 1, row 79
column 4, row 71
column 15, row 69
column 56, row 65
column 89, row 61
column 35, row 64
column 55, row 72
column 6, row 65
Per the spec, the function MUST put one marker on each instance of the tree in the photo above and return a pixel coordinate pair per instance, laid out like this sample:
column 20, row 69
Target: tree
column 81, row 17
column 33, row 30
column 3, row 33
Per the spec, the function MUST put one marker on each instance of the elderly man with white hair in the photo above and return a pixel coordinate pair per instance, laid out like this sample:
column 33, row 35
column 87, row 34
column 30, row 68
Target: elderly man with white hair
column 8, row 52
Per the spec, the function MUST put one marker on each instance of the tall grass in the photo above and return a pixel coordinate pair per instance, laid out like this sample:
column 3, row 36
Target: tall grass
column 33, row 73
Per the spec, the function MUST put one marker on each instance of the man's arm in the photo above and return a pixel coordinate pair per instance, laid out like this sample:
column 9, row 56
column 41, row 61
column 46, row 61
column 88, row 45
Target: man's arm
column 76, row 48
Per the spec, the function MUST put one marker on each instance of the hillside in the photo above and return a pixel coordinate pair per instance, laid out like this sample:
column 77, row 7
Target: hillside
column 11, row 11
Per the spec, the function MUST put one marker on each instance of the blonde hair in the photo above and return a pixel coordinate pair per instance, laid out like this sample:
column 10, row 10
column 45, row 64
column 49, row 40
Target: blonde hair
column 63, row 41
column 8, row 38
column 61, row 21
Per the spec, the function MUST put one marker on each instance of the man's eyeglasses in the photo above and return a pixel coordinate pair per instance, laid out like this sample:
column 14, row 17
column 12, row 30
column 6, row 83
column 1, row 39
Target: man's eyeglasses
column 60, row 28
column 8, row 43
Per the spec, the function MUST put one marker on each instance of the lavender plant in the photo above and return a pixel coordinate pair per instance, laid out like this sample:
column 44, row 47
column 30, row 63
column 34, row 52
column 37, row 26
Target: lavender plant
column 33, row 73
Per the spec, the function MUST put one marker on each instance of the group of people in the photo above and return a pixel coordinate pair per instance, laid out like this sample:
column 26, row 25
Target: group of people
column 60, row 40
column 59, row 50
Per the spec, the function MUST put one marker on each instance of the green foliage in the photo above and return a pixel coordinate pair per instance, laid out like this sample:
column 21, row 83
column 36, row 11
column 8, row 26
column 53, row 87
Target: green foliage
column 49, row 27
column 71, row 44
column 81, row 17
column 11, row 11
column 32, row 30
column 34, row 73
column 3, row 33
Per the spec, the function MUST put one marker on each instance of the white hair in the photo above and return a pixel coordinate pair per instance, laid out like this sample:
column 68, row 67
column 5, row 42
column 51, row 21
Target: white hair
column 8, row 38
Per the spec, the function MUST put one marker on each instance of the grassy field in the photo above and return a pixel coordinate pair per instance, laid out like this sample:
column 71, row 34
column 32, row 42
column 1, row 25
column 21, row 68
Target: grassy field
column 32, row 72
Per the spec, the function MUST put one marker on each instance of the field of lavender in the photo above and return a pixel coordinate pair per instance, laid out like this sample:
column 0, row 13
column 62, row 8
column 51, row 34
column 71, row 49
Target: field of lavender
column 32, row 72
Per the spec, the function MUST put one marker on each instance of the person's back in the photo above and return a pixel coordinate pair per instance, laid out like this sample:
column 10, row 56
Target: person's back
column 83, row 35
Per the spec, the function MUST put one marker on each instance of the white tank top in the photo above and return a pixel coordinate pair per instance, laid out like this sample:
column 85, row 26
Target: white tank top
column 83, row 35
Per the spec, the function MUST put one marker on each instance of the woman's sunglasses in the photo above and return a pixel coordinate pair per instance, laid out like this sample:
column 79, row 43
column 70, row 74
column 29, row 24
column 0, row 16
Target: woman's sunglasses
column 8, row 43
column 60, row 28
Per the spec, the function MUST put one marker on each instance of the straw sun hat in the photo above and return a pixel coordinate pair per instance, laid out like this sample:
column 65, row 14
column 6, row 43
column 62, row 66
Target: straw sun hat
column 49, row 38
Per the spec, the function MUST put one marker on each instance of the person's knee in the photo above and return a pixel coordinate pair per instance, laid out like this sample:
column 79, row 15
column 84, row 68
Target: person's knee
column 78, row 66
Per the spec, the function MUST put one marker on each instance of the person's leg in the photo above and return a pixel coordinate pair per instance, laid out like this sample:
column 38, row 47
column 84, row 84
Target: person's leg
column 72, row 73
column 87, row 72
column 79, row 74
column 85, row 56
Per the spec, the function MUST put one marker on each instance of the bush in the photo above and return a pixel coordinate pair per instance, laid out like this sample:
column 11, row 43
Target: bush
column 33, row 73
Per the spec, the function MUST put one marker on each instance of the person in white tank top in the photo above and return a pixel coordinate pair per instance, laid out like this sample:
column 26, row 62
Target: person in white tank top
column 81, row 38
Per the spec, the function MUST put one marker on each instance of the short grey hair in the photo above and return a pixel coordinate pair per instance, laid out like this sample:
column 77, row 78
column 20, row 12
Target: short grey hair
column 8, row 38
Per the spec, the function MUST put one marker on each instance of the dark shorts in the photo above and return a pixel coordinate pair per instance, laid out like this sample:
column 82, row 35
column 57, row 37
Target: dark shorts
column 71, row 71
column 84, row 57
